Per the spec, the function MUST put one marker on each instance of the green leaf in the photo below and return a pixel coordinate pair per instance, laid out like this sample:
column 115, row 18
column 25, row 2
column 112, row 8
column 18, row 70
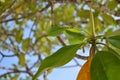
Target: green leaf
column 115, row 41
column 21, row 59
column 84, row 13
column 112, row 4
column 18, row 36
column 55, row 31
column 113, row 33
column 98, row 25
column 26, row 44
column 74, row 37
column 105, row 66
column 108, row 19
column 59, row 58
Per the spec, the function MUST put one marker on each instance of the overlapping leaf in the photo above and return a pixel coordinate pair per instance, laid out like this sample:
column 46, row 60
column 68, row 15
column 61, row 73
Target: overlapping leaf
column 74, row 37
column 105, row 66
column 55, row 31
column 26, row 44
column 108, row 19
column 21, row 59
column 115, row 41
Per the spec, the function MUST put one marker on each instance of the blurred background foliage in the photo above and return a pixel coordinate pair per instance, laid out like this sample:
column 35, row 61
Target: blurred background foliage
column 25, row 25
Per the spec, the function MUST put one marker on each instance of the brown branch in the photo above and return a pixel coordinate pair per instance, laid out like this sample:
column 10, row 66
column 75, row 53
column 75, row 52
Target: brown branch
column 28, row 70
column 39, row 59
column 9, row 6
column 12, row 72
column 61, row 41
column 77, row 63
column 10, row 10
column 27, row 15
column 96, row 5
column 3, row 55
column 118, row 1
column 81, row 57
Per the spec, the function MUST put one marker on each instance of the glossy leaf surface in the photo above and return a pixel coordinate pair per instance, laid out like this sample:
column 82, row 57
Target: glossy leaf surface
column 115, row 41
column 105, row 66
column 59, row 58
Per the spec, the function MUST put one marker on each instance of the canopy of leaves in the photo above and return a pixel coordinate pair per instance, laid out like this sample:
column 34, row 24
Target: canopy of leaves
column 34, row 28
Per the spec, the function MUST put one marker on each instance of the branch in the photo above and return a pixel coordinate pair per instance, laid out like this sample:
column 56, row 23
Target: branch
column 27, row 15
column 12, row 72
column 39, row 59
column 9, row 6
column 77, row 63
column 81, row 57
column 102, row 8
column 3, row 55
column 28, row 70
column 118, row 1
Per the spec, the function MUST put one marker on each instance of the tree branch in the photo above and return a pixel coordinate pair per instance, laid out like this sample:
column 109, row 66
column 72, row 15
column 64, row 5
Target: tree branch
column 81, row 57
column 12, row 72
column 27, row 15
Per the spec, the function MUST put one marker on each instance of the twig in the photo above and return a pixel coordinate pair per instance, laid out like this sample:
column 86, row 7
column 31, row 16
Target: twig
column 11, row 73
column 61, row 41
column 81, row 57
column 7, row 55
column 3, row 55
column 39, row 59
column 9, row 6
column 28, row 70
column 27, row 15
column 77, row 62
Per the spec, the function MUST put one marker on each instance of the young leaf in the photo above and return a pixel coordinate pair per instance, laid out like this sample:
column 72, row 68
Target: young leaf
column 74, row 37
column 105, row 66
column 84, row 13
column 26, row 44
column 55, row 31
column 112, row 4
column 108, row 19
column 84, row 73
column 59, row 58
column 115, row 41
column 112, row 33
column 18, row 36
column 18, row 10
column 21, row 59
column 98, row 25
